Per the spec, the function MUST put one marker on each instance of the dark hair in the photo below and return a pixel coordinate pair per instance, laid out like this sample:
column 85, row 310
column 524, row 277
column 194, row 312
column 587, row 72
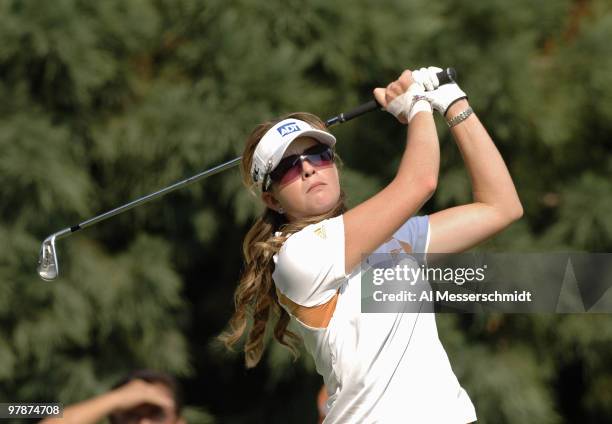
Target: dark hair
column 152, row 376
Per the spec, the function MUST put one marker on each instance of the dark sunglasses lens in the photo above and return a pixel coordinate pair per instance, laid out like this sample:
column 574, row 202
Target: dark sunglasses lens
column 290, row 167
column 291, row 174
column 324, row 158
column 284, row 166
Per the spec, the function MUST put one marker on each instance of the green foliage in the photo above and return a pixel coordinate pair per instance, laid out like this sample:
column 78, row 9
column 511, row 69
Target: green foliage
column 103, row 102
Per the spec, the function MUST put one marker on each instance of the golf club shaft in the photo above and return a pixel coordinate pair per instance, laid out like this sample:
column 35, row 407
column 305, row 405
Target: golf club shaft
column 48, row 267
column 157, row 194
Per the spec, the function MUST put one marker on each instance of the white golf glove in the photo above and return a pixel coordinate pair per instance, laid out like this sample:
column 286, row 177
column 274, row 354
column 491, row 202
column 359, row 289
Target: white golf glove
column 410, row 103
column 440, row 96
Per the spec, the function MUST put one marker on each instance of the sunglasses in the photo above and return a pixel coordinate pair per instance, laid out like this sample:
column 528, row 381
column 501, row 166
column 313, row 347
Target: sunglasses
column 290, row 168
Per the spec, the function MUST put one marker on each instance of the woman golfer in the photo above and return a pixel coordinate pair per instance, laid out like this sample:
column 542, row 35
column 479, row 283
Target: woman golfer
column 303, row 254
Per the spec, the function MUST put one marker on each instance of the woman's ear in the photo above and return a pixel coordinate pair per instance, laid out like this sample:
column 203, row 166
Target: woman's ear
column 271, row 202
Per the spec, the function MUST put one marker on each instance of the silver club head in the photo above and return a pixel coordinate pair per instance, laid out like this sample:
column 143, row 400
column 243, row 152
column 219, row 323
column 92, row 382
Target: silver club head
column 48, row 268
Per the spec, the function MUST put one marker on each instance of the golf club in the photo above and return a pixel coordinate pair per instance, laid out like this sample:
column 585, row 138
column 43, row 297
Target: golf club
column 48, row 266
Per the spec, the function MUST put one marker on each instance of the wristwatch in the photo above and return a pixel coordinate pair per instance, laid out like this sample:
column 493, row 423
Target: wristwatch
column 457, row 119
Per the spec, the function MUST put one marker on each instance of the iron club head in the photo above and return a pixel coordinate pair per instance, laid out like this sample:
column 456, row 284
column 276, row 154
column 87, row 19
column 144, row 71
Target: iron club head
column 48, row 267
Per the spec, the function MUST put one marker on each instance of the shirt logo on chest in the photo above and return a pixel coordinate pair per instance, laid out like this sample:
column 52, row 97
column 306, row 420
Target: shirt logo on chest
column 321, row 232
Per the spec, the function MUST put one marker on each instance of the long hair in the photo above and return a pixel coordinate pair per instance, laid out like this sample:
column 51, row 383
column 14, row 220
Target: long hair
column 255, row 297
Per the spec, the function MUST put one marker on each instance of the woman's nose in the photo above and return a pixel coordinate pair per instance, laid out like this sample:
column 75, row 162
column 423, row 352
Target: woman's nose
column 307, row 168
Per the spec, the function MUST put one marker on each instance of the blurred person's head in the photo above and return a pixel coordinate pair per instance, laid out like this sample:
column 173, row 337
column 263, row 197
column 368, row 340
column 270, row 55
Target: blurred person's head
column 148, row 413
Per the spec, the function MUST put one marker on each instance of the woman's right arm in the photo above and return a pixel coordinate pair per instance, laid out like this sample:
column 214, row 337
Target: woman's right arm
column 374, row 221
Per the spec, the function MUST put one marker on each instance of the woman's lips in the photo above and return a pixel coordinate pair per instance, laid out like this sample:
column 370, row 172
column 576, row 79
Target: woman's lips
column 315, row 185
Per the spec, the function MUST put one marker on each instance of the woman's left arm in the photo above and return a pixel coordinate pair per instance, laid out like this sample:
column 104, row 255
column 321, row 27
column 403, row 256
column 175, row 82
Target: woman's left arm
column 496, row 203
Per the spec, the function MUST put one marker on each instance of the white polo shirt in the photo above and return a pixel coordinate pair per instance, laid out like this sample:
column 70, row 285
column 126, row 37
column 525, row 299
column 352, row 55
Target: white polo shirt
column 382, row 368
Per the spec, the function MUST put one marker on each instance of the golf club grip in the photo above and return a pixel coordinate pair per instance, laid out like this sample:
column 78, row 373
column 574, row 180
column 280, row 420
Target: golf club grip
column 360, row 110
column 447, row 76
